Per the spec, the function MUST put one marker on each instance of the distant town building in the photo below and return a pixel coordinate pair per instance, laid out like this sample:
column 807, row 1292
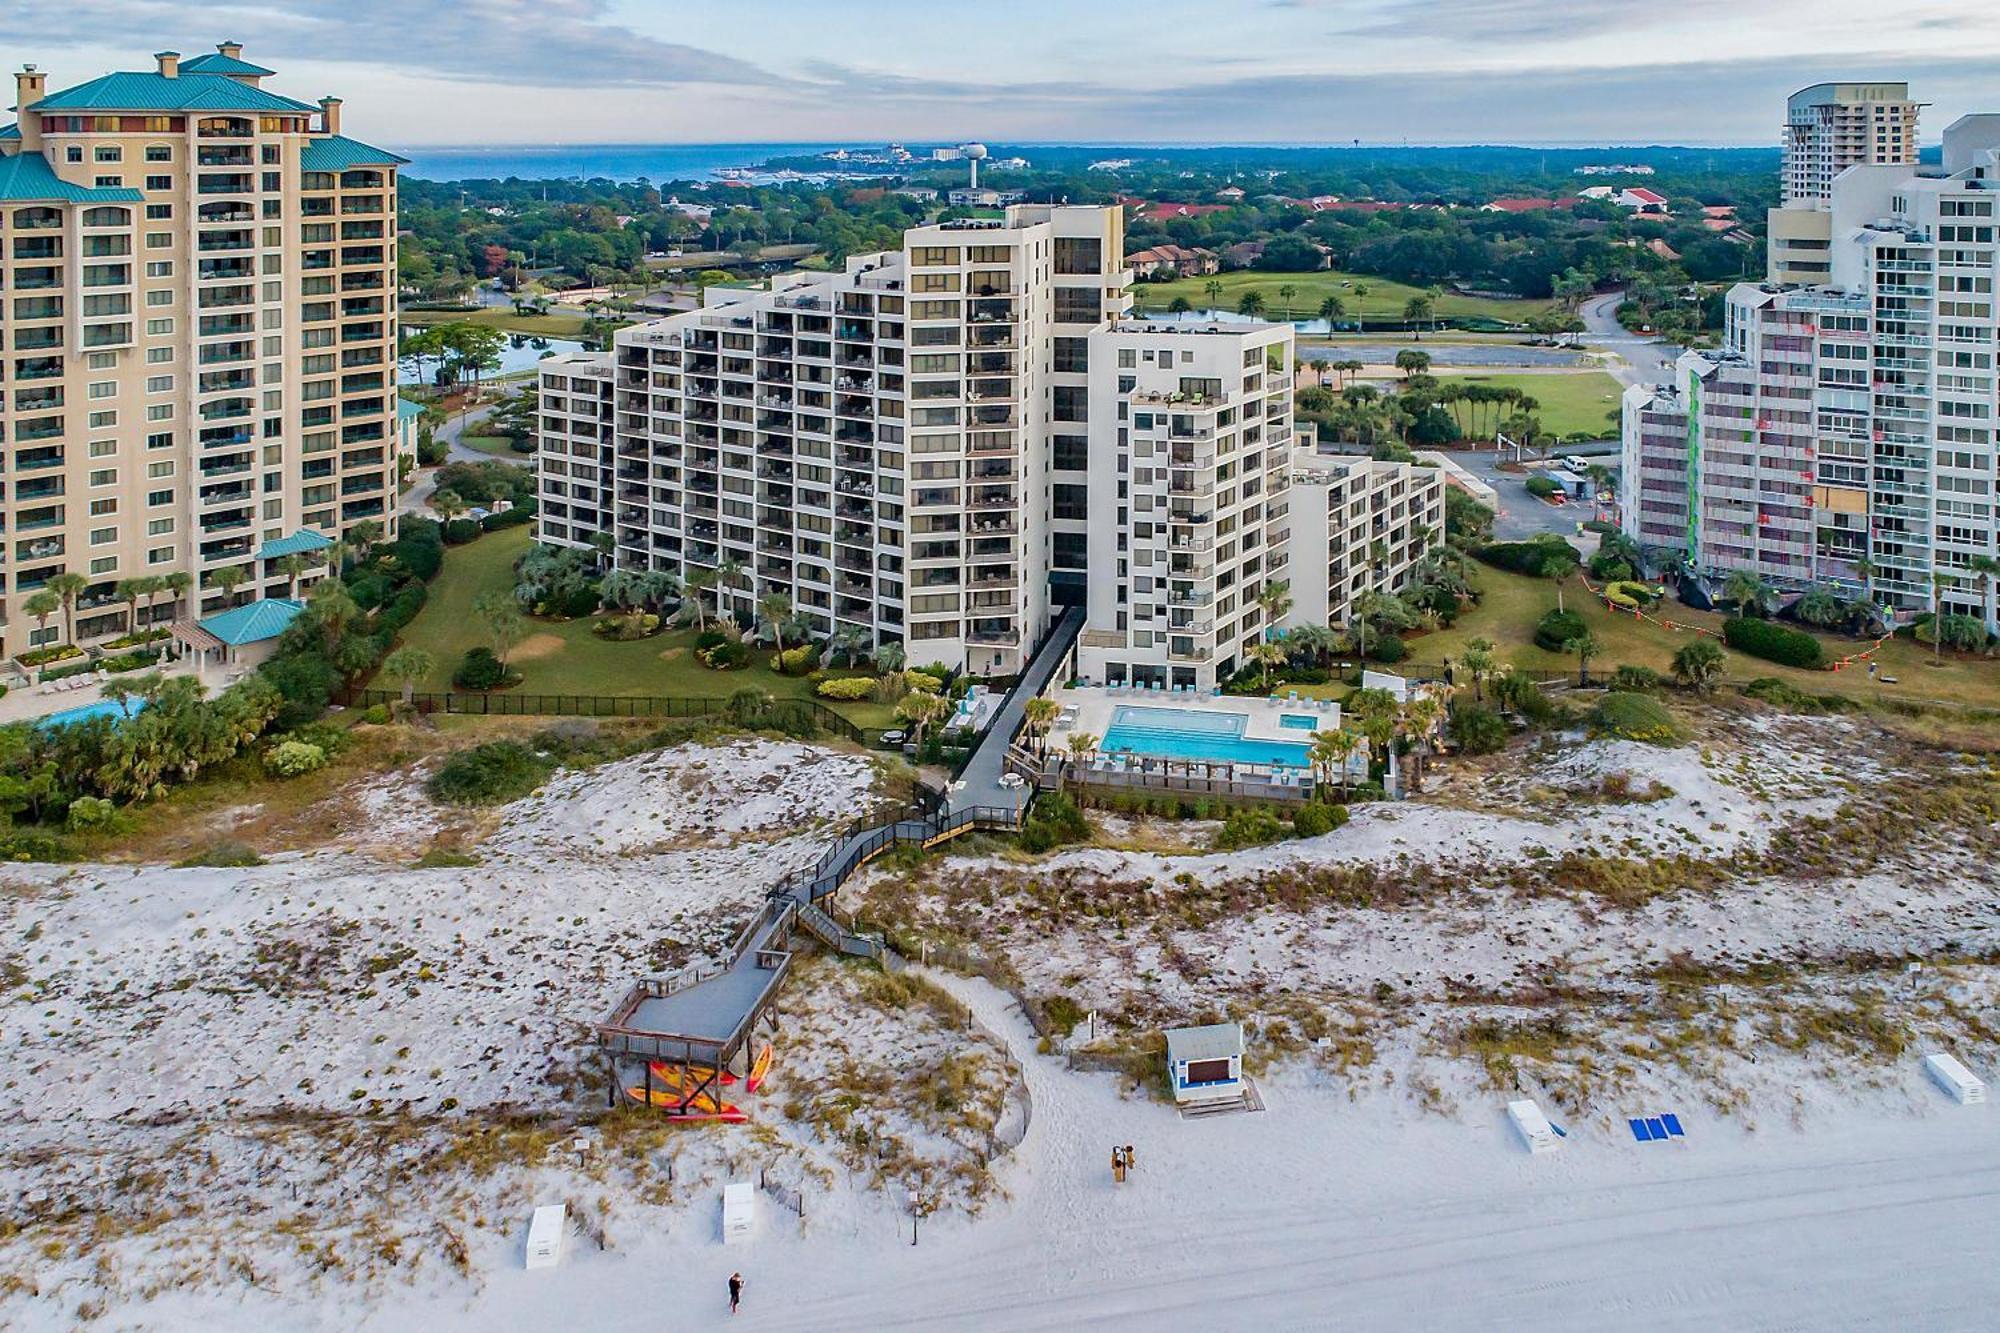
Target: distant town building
column 1621, row 170
column 1182, row 261
column 1830, row 127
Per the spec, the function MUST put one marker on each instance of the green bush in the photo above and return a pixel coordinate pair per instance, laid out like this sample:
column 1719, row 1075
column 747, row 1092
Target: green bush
column 43, row 656
column 846, row 687
column 1773, row 642
column 225, row 854
column 923, row 682
column 376, row 715
column 1315, row 818
column 91, row 812
column 1628, row 594
column 291, row 759
column 489, row 774
column 707, row 639
column 1541, row 487
column 1783, row 694
column 1630, row 679
column 1634, row 717
column 481, row 670
column 460, row 531
column 729, row 655
column 1557, row 628
column 578, row 602
column 799, row 661
column 1477, row 729
column 1055, row 820
column 1251, row 827
column 626, row 627
column 1530, row 556
column 1387, row 648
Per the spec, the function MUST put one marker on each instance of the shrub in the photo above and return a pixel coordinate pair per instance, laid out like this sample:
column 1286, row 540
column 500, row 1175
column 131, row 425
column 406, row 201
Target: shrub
column 488, row 774
column 481, row 670
column 460, row 531
column 305, row 681
column 291, row 759
column 1316, row 818
column 1773, row 642
column 1387, row 648
column 707, row 639
column 1056, row 819
column 1634, row 717
column 376, row 715
column 846, row 687
column 729, row 655
column 923, row 682
column 226, row 854
column 796, row 661
column 402, row 608
column 1630, row 679
column 1963, row 632
column 1557, row 628
column 513, row 517
column 91, row 812
column 43, row 656
column 1250, row 827
column 1782, row 694
column 1478, row 729
column 577, row 602
column 1629, row 594
column 1541, row 487
column 419, row 551
column 1529, row 556
column 627, row 627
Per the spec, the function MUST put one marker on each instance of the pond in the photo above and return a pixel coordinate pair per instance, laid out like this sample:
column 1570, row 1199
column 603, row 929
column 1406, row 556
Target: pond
column 521, row 352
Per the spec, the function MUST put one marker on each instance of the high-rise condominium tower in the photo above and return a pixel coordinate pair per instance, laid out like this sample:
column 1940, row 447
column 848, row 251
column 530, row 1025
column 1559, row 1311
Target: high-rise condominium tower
column 946, row 443
column 1830, row 127
column 1844, row 434
column 200, row 329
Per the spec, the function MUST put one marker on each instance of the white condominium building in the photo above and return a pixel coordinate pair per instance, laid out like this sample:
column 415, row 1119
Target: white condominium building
column 945, row 445
column 1845, row 432
column 1830, row 127
column 199, row 369
column 1367, row 522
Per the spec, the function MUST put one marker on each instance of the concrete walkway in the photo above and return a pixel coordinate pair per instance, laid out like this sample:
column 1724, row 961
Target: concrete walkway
column 979, row 784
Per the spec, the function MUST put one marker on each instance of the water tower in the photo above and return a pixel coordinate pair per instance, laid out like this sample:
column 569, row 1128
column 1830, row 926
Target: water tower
column 975, row 153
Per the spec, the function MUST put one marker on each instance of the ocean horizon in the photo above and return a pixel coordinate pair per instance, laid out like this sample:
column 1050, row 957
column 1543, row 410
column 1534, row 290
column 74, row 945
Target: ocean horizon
column 708, row 161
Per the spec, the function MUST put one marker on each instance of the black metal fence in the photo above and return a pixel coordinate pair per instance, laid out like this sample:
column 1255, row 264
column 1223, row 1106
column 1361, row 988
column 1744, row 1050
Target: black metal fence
column 786, row 714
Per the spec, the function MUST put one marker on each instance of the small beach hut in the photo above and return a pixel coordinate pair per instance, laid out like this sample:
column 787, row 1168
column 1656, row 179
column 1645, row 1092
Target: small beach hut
column 1206, row 1063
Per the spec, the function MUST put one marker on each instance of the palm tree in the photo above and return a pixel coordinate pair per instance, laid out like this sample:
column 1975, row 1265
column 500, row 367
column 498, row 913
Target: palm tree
column 408, row 664
column 1417, row 310
column 41, row 604
column 1040, row 713
column 1213, row 288
column 501, row 614
column 1314, row 640
column 1275, row 600
column 696, row 583
column 1379, row 715
column 1422, row 715
column 775, row 608
column 131, row 592
column 1478, row 660
column 448, row 504
column 1939, row 582
column 227, row 580
column 1750, row 591
column 1331, row 309
column 69, row 587
column 1698, row 664
column 1251, row 303
column 1330, row 752
column 1585, row 646
column 1268, row 655
column 1985, row 569
column 1081, row 746
column 177, row 583
column 363, row 536
column 1320, row 366
column 292, row 567
column 1820, row 605
column 1286, row 293
column 921, row 708
column 890, row 656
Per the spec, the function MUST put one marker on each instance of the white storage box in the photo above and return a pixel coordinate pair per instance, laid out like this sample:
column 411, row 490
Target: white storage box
column 1954, row 1078
column 739, row 1212
column 545, row 1235
column 1532, row 1126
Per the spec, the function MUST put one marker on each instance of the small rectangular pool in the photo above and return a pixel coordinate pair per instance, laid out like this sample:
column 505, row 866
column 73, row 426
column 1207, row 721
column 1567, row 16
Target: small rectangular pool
column 1198, row 734
column 1300, row 722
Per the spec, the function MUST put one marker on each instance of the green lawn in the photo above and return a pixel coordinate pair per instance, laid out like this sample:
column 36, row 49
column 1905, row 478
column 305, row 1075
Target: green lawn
column 555, row 324
column 497, row 445
column 564, row 657
column 1384, row 299
column 1512, row 603
column 1571, row 401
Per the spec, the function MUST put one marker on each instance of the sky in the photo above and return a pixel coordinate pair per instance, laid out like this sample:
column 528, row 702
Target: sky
column 421, row 72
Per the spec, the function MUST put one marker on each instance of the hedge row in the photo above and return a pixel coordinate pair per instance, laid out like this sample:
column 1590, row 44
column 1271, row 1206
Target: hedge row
column 1773, row 642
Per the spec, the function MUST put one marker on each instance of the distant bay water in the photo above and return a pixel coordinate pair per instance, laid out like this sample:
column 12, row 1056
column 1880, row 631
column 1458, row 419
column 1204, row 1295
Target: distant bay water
column 618, row 162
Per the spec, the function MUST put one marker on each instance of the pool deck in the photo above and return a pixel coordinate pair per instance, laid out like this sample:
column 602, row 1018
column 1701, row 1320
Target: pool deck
column 1097, row 705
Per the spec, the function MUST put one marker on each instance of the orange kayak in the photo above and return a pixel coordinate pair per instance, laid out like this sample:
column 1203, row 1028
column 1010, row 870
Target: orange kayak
column 760, row 1069
column 700, row 1107
column 671, row 1074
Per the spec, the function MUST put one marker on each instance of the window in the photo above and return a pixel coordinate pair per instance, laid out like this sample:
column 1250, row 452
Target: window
column 159, row 240
column 159, row 152
column 103, row 536
column 159, row 328
column 159, row 527
column 160, row 411
column 159, row 384
column 160, row 268
column 103, row 389
column 160, row 555
column 164, row 468
column 154, row 499
column 108, row 153
column 103, row 420
column 103, row 448
column 103, row 361
column 157, row 183
column 159, row 212
column 74, row 153
column 160, row 296
column 110, row 182
column 160, row 440
column 104, row 476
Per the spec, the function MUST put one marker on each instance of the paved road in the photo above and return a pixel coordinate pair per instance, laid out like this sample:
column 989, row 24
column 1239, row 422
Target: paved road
column 417, row 499
column 1639, row 360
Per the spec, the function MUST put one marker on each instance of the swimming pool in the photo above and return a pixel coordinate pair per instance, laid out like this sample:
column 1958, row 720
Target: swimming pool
column 1300, row 722
column 102, row 708
column 1186, row 733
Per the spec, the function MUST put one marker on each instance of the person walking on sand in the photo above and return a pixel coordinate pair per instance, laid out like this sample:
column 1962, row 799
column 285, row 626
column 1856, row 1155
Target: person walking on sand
column 1128, row 1157
column 735, row 1291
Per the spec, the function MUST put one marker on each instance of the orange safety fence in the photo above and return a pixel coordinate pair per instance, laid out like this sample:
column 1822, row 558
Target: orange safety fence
column 1638, row 613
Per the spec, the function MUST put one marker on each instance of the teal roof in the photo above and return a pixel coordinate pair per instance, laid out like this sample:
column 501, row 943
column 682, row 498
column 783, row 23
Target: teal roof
column 28, row 176
column 303, row 542
column 10, row 132
column 128, row 91
column 265, row 618
column 407, row 410
column 217, row 63
column 338, row 153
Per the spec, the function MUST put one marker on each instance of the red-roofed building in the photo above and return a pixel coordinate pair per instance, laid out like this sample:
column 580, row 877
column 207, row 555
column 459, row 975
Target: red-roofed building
column 1640, row 198
column 1179, row 260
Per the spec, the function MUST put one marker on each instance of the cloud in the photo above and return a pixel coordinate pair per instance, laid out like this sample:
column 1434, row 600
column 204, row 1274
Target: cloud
column 543, row 43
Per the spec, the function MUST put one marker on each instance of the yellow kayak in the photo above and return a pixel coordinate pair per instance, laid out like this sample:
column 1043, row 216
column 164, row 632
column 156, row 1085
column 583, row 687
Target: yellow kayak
column 760, row 1068
column 698, row 1107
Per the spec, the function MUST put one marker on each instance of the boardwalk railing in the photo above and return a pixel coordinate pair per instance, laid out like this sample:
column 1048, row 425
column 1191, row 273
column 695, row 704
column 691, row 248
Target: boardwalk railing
column 791, row 713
